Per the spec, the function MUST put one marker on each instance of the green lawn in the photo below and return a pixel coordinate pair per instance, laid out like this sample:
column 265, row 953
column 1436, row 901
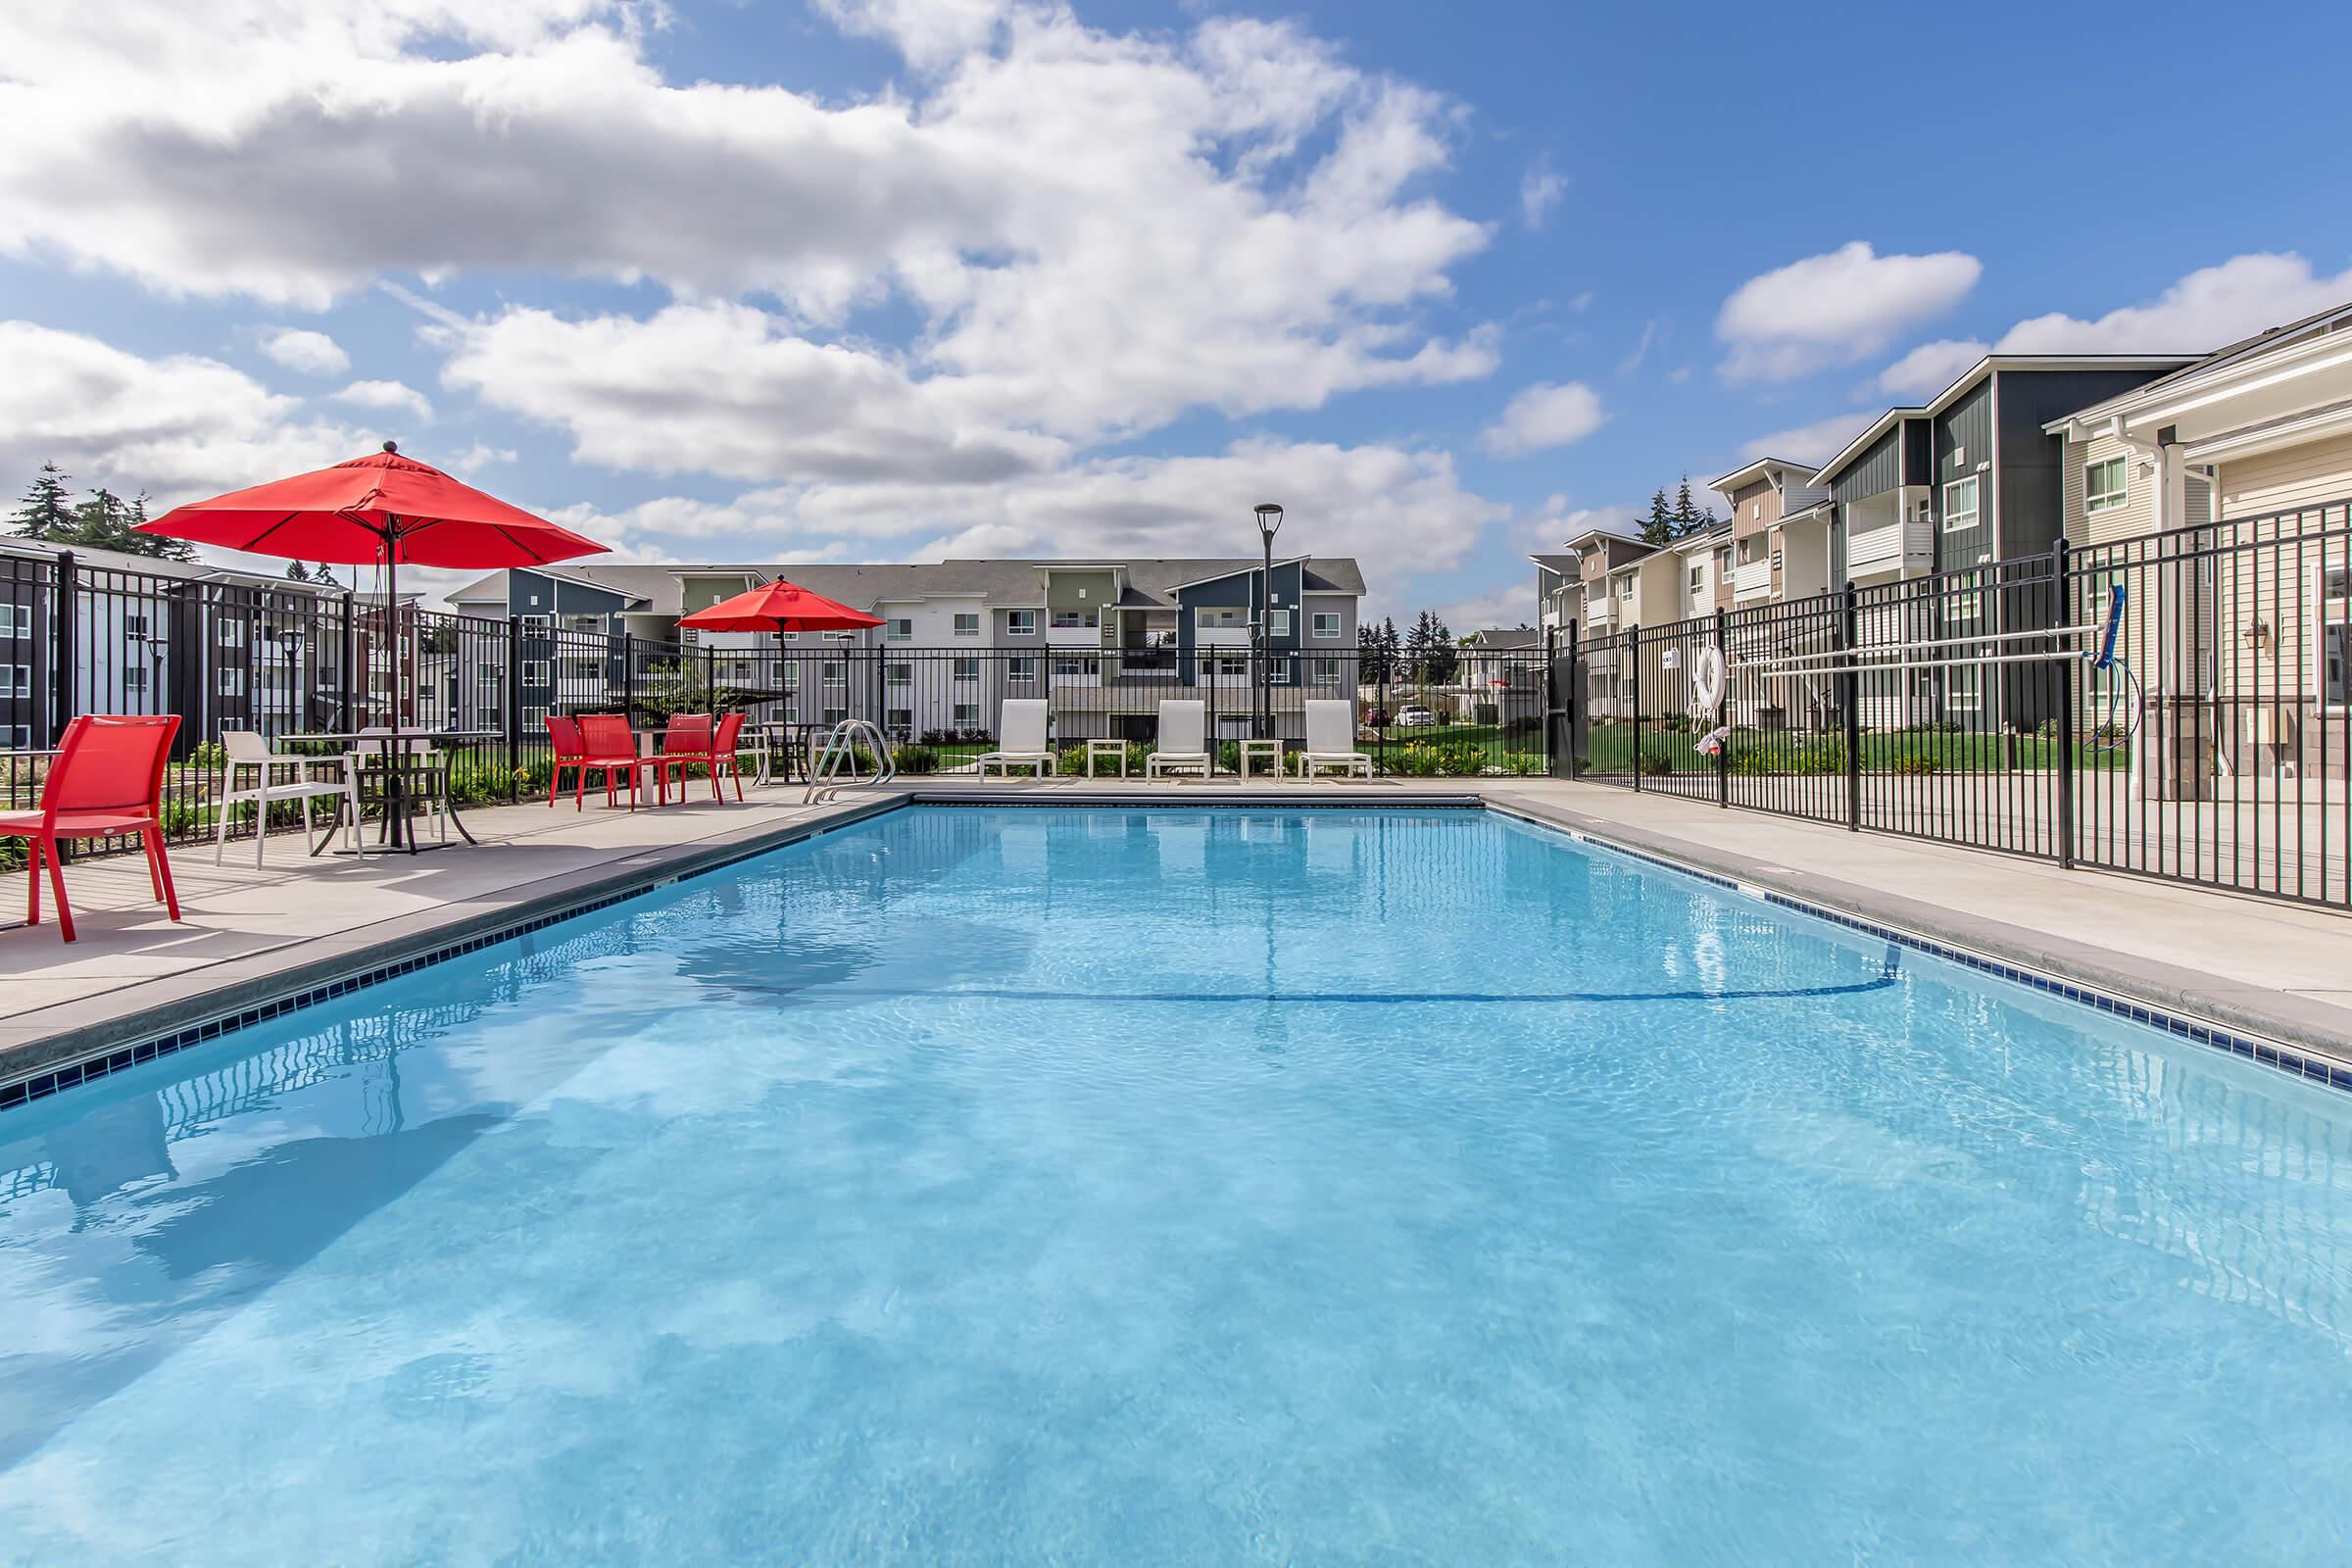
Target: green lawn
column 1610, row 749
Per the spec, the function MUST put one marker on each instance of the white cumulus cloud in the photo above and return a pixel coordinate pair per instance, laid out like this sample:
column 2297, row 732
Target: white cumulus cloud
column 394, row 396
column 1836, row 308
column 1931, row 368
column 1817, row 442
column 2209, row 308
column 1542, row 416
column 310, row 352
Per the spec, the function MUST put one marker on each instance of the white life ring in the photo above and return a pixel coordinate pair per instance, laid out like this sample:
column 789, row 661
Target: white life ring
column 1706, row 679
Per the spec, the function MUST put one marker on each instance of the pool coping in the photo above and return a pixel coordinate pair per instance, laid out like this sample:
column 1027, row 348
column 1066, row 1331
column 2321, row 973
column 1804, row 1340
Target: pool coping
column 241, row 992
column 2274, row 1028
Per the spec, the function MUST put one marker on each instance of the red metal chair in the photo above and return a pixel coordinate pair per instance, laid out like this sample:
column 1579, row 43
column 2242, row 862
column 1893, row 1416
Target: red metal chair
column 724, row 748
column 608, row 746
column 563, row 734
column 686, row 739
column 107, row 780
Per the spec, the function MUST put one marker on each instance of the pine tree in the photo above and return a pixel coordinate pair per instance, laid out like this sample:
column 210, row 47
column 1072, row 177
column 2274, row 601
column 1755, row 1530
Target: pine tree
column 1442, row 658
column 1658, row 527
column 1688, row 516
column 103, row 522
column 45, row 512
column 296, row 572
column 325, row 575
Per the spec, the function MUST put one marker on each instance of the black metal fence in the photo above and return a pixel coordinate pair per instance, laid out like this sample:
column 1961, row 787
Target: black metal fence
column 305, row 659
column 1953, row 708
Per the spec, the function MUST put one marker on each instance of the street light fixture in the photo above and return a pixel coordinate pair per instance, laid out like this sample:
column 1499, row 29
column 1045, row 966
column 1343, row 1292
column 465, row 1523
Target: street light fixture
column 1269, row 524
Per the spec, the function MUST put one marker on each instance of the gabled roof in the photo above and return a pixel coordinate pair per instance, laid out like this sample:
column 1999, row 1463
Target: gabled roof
column 155, row 566
column 1967, row 380
column 1761, row 468
column 1561, row 564
column 2240, row 355
column 1496, row 637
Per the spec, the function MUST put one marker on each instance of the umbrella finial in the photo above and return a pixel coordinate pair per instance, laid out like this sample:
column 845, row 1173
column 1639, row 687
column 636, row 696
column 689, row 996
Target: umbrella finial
column 391, row 445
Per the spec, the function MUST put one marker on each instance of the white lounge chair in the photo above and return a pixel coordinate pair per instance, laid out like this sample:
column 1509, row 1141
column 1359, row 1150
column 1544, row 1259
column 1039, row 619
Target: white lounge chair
column 1182, row 745
column 1331, row 739
column 274, row 778
column 1020, row 739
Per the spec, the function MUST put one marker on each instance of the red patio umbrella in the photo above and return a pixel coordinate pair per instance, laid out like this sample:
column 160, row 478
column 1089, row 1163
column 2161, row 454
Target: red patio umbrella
column 381, row 508
column 779, row 606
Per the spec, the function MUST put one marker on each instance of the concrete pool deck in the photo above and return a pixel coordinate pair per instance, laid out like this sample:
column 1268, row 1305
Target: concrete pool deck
column 250, row 936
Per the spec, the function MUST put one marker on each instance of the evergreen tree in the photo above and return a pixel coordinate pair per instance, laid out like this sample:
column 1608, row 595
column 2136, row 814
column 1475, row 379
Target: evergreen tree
column 1688, row 516
column 103, row 522
column 1376, row 664
column 1442, row 658
column 1658, row 527
column 325, row 575
column 295, row 572
column 44, row 513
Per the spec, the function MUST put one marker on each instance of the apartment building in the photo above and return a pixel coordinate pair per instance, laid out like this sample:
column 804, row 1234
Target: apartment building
column 2239, row 606
column 223, row 649
column 1101, row 640
column 1779, row 528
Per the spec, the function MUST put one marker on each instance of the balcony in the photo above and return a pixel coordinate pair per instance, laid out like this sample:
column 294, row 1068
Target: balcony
column 1751, row 580
column 1601, row 613
column 1891, row 547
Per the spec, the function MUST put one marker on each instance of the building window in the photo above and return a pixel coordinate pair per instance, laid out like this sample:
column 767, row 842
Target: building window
column 1723, row 565
column 1073, row 619
column 832, row 716
column 16, row 679
column 835, row 672
column 966, row 715
column 1226, row 664
column 1965, row 693
column 1280, row 622
column 135, row 627
column 1625, row 589
column 1327, row 673
column 534, row 718
column 1699, row 579
column 1324, row 623
column 1020, row 622
column 1280, row 674
column 135, row 679
column 232, row 682
column 1960, row 505
column 537, row 673
column 968, row 670
column 2333, row 651
column 899, row 721
column 841, row 636
column 1075, row 666
column 967, row 623
column 489, row 675
column 899, row 674
column 229, row 632
column 1021, row 670
column 1220, row 620
column 900, row 630
column 2106, row 486
column 20, row 737
column 16, row 620
column 792, row 678
column 537, row 626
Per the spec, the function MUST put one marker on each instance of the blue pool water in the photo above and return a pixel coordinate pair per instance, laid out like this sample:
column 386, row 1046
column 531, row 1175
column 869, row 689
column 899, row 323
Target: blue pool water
column 1181, row 1187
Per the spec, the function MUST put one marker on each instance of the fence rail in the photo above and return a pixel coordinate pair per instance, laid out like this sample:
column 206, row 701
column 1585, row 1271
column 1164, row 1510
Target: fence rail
column 1957, row 706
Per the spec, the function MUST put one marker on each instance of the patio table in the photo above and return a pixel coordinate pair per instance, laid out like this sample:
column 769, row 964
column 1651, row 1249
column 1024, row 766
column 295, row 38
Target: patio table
column 1270, row 751
column 392, row 746
column 798, row 737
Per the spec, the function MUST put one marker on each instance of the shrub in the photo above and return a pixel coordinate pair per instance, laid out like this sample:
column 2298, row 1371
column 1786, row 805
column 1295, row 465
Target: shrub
column 210, row 756
column 916, row 760
column 1653, row 765
column 1915, row 764
column 1752, row 761
column 1824, row 754
column 1413, row 760
column 1457, row 758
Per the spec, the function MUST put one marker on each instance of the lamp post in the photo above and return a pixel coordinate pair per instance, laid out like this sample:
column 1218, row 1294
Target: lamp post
column 1269, row 524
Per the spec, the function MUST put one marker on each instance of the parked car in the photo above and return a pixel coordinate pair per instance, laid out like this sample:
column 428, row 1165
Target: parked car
column 1415, row 716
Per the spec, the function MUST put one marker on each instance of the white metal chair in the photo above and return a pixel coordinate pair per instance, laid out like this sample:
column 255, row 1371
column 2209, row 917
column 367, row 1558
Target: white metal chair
column 1020, row 739
column 277, row 776
column 1182, row 745
column 1331, row 739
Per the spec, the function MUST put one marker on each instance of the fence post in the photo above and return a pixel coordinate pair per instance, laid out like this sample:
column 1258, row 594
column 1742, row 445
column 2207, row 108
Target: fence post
column 65, row 609
column 2066, row 709
column 628, row 675
column 513, row 725
column 711, row 678
column 1849, row 636
column 350, row 718
column 1723, row 747
column 1633, row 665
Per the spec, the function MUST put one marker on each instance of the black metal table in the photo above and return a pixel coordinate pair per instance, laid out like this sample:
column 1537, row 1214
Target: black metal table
column 392, row 747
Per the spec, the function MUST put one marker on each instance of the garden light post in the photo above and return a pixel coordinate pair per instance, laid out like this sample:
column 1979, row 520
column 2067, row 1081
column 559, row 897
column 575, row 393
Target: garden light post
column 1269, row 522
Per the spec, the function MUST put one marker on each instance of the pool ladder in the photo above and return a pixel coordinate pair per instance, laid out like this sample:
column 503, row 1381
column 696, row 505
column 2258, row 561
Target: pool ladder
column 841, row 751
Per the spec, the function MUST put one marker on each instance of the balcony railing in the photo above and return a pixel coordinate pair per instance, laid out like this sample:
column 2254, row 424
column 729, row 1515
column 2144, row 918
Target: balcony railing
column 1751, row 580
column 1601, row 613
column 1890, row 545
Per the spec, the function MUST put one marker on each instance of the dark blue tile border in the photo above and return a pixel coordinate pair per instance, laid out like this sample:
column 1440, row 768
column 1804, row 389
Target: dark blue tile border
column 41, row 1084
column 2253, row 1047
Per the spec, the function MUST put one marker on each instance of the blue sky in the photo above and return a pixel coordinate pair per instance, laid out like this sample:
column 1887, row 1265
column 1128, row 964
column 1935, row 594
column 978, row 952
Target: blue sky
column 848, row 280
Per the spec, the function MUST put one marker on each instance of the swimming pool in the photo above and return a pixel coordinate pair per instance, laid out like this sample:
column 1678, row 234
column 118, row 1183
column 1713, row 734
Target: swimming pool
column 1025, row 1185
